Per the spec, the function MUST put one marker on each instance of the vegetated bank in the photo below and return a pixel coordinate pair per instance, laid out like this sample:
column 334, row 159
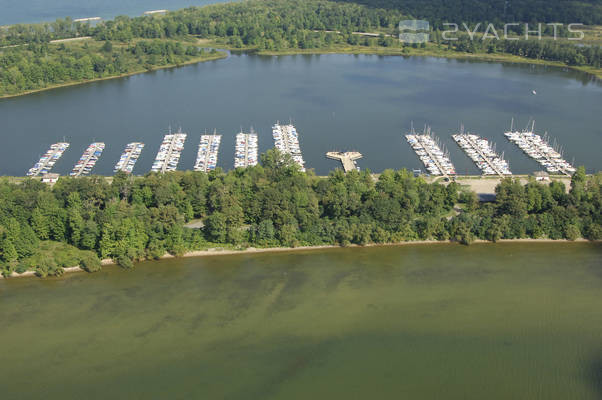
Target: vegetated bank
column 35, row 67
column 82, row 220
column 274, row 26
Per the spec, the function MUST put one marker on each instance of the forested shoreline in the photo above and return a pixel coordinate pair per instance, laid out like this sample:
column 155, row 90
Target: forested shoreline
column 30, row 62
column 82, row 220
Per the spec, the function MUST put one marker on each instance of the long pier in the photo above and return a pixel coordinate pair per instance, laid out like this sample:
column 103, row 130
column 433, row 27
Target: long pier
column 246, row 150
column 432, row 157
column 286, row 139
column 88, row 159
column 169, row 153
column 430, row 154
column 493, row 163
column 347, row 159
column 206, row 159
column 538, row 149
column 47, row 161
column 130, row 156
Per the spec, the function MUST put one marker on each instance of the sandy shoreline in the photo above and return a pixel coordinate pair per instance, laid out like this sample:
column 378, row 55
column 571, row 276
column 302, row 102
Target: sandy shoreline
column 254, row 250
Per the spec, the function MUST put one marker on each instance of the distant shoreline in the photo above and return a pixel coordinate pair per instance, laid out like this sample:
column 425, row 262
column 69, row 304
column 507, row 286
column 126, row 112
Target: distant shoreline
column 212, row 252
column 357, row 50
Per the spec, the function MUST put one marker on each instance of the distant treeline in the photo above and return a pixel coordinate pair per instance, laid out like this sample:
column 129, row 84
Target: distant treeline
column 548, row 50
column 39, row 65
column 275, row 25
column 588, row 12
column 272, row 204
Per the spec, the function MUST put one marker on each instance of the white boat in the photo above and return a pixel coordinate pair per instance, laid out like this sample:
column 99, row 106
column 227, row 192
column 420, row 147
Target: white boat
column 47, row 161
column 128, row 159
column 206, row 159
column 480, row 151
column 434, row 159
column 245, row 154
column 539, row 150
column 169, row 153
column 286, row 139
column 88, row 159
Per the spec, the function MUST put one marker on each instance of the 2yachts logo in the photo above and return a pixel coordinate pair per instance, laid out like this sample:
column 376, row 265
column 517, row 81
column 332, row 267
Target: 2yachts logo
column 414, row 25
column 420, row 28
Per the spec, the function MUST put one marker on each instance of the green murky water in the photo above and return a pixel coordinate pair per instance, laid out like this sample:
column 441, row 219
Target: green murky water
column 505, row 321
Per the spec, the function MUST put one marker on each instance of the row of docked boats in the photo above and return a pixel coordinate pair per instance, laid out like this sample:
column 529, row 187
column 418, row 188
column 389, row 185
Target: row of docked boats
column 286, row 140
column 169, row 153
column 128, row 158
column 540, row 150
column 428, row 151
column 246, row 150
column 47, row 161
column 206, row 159
column 481, row 152
column 87, row 161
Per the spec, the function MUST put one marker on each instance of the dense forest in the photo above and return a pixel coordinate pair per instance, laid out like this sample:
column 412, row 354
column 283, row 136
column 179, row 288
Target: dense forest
column 28, row 60
column 39, row 65
column 588, row 12
column 81, row 220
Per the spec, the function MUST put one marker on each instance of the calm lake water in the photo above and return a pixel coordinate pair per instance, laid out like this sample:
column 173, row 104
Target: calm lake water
column 31, row 11
column 338, row 102
column 503, row 321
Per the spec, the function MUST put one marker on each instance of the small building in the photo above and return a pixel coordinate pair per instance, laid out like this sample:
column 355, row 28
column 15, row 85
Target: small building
column 51, row 179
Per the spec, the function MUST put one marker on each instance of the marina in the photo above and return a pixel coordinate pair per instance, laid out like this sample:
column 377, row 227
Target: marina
column 481, row 152
column 347, row 159
column 286, row 140
column 206, row 159
column 428, row 151
column 47, row 161
column 578, row 130
column 540, row 150
column 87, row 161
column 128, row 159
column 246, row 149
column 169, row 153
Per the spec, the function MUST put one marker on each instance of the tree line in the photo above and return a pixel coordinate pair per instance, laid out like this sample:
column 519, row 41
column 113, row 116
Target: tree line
column 273, row 25
column 40, row 65
column 272, row 204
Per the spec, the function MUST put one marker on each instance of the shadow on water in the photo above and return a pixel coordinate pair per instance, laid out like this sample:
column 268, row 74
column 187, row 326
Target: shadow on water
column 594, row 374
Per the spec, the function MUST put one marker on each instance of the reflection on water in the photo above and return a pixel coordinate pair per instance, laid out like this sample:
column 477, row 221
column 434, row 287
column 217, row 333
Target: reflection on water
column 446, row 321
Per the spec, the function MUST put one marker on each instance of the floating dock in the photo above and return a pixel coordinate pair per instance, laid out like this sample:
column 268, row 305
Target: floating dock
column 206, row 159
column 482, row 154
column 245, row 154
column 47, row 161
column 87, row 161
column 436, row 161
column 347, row 159
column 538, row 149
column 169, row 153
column 128, row 159
column 286, row 139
